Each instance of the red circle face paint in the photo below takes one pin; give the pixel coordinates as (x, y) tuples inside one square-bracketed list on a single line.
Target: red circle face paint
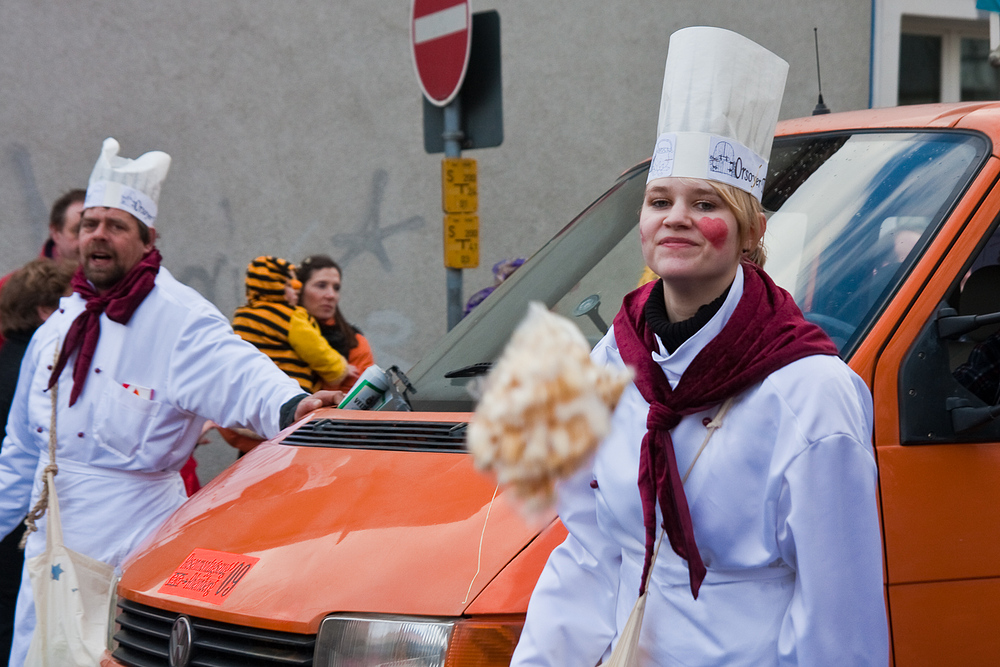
[(715, 230)]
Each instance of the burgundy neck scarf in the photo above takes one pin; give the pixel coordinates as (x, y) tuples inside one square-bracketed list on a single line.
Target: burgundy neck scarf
[(764, 333), (118, 303)]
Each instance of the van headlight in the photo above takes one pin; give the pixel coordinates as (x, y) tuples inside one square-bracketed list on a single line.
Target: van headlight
[(113, 613), (361, 640)]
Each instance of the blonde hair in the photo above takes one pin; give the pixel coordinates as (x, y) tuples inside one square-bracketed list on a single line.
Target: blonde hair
[(747, 211)]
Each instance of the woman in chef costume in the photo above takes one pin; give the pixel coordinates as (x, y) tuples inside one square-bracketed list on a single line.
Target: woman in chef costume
[(743, 437)]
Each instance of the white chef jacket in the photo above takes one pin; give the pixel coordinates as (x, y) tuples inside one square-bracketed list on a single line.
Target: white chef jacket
[(119, 453), (783, 503)]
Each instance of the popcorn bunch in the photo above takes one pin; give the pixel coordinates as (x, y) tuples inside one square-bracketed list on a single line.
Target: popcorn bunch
[(545, 407)]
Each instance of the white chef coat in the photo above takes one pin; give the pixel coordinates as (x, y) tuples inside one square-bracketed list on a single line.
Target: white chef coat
[(783, 503), (119, 453)]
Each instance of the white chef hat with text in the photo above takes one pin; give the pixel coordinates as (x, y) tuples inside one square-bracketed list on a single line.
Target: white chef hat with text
[(718, 109), (130, 185)]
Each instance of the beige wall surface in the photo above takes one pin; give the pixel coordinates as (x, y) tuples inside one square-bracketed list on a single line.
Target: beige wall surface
[(296, 127)]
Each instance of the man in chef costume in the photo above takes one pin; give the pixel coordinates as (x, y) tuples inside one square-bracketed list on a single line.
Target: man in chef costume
[(141, 361), (743, 445)]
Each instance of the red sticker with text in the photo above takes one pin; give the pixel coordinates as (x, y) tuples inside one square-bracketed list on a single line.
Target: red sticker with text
[(208, 575)]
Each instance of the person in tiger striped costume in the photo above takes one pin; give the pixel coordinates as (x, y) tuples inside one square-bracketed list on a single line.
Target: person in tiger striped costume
[(286, 333)]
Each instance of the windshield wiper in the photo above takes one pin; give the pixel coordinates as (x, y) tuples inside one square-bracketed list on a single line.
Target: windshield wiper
[(475, 370)]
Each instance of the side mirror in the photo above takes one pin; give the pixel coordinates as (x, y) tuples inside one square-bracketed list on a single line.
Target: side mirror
[(951, 325), (589, 308), (965, 417)]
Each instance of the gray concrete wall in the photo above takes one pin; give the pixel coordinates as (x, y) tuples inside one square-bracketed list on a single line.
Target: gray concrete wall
[(296, 127)]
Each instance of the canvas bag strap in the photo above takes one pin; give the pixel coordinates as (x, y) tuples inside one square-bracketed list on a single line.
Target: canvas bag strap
[(54, 532), (625, 651)]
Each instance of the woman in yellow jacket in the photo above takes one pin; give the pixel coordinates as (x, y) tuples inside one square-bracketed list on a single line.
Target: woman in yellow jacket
[(284, 332), (321, 279)]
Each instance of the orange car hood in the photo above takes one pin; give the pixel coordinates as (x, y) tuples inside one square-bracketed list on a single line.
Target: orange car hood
[(354, 530)]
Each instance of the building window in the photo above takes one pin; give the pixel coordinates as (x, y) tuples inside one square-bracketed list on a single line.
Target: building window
[(945, 61), (980, 80), (919, 69)]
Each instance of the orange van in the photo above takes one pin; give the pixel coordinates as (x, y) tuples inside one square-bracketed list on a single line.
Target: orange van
[(367, 538)]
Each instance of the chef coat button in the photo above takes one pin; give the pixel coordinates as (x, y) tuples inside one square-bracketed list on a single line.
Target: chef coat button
[(61, 310), (706, 421), (50, 367), (593, 483), (39, 429), (97, 370), (80, 434)]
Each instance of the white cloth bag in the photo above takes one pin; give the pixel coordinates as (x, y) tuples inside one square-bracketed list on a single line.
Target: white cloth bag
[(72, 591)]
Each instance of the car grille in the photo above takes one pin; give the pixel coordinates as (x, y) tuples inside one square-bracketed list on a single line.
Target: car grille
[(144, 640), (391, 435)]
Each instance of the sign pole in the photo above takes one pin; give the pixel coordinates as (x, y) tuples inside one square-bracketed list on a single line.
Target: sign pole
[(453, 136), (441, 41)]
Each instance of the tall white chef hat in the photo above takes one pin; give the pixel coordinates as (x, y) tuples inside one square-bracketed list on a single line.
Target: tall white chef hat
[(130, 185), (719, 107)]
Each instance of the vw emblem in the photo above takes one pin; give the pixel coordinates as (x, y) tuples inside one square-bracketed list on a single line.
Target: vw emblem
[(181, 638)]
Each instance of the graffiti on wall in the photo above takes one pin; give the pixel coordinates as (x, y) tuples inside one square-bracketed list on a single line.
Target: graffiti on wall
[(370, 234), (210, 282), (18, 159), (220, 280), (388, 331)]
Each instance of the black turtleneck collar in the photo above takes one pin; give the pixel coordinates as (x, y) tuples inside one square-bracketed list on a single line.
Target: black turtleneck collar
[(673, 334)]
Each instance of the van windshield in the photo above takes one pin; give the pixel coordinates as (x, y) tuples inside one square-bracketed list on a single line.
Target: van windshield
[(849, 214)]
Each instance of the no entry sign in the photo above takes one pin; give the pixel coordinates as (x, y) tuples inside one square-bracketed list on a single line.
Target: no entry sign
[(440, 36)]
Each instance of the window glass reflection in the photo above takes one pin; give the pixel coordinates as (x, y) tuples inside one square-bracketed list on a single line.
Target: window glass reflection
[(847, 229)]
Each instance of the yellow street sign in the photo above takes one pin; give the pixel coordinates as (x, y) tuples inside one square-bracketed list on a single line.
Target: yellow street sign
[(461, 241), (459, 188)]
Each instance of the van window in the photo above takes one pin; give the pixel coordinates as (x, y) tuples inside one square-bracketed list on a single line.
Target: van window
[(853, 214), (849, 215), (950, 381)]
